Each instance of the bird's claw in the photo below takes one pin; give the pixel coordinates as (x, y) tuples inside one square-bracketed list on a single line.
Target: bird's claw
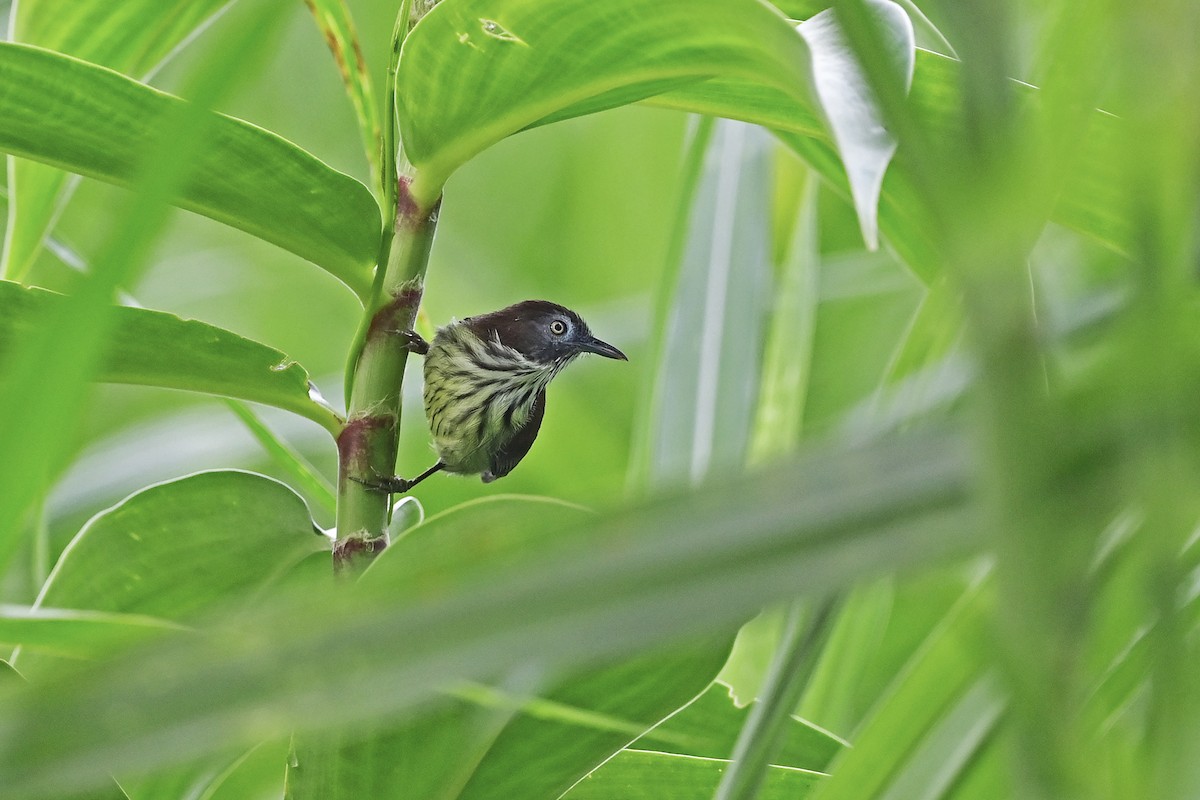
[(413, 341), (387, 484)]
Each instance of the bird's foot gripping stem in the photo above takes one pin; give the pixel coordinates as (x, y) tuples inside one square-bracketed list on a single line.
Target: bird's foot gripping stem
[(389, 485), (413, 341), (395, 484)]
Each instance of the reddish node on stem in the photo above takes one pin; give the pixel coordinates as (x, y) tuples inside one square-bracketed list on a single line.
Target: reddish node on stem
[(355, 440), (397, 314), (409, 213)]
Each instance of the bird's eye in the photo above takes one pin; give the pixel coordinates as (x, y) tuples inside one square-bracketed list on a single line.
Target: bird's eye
[(558, 327)]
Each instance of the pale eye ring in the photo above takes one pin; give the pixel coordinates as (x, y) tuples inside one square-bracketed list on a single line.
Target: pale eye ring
[(558, 327)]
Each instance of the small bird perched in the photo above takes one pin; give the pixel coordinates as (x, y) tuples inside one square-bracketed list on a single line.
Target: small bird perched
[(485, 385)]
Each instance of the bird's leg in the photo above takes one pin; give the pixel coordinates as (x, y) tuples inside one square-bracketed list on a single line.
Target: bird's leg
[(396, 484), (413, 342)]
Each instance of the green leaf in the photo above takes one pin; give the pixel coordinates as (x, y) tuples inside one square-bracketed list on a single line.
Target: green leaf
[(625, 583), (641, 775), (944, 673), (787, 353), (173, 551), (706, 378), (49, 372), (133, 37), (92, 121), (529, 61), (853, 643), (151, 348), (488, 743), (74, 634), (532, 63), (763, 732), (708, 727), (848, 103)]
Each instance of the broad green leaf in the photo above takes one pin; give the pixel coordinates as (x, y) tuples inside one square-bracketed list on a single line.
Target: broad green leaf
[(528, 60), (483, 743), (151, 348), (641, 775), (133, 37), (531, 63), (708, 727), (952, 747), (334, 20), (74, 634), (171, 552), (627, 582), (95, 122)]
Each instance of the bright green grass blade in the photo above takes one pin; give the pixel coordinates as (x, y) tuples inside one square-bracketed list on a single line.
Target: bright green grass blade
[(133, 37), (334, 20), (763, 732), (74, 634), (475, 71), (257, 774), (787, 353), (152, 348), (621, 584), (641, 775), (97, 123)]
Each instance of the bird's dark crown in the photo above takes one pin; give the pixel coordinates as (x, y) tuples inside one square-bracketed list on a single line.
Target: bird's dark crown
[(541, 331)]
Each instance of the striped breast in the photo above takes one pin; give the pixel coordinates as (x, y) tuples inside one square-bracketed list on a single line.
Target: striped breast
[(478, 394)]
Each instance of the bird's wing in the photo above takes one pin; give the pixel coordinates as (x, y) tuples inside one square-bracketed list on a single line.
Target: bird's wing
[(508, 456)]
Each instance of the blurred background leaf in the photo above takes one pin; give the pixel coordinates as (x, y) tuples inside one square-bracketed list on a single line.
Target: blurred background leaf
[(150, 348), (133, 38), (100, 124)]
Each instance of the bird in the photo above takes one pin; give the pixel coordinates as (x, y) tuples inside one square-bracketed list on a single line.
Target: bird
[(485, 385)]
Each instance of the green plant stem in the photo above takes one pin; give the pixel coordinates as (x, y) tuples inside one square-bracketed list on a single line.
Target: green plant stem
[(375, 371), (367, 446)]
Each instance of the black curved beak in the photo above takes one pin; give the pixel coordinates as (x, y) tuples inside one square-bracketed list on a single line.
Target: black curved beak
[(593, 345)]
